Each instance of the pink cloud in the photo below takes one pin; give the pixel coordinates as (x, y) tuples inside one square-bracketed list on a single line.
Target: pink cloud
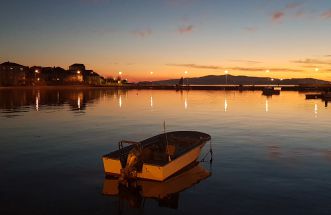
[(142, 33), (326, 14), (278, 16), (185, 29), (293, 5)]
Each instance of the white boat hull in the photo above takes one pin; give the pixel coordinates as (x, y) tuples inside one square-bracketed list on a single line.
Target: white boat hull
[(154, 172)]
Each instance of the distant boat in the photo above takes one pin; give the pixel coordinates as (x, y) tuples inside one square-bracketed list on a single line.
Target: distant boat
[(269, 91), (156, 158), (314, 96), (326, 96), (166, 192)]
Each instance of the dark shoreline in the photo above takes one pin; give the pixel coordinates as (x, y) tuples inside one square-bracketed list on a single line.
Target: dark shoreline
[(173, 87)]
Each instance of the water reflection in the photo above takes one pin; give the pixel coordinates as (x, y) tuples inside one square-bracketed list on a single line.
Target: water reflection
[(185, 103), (315, 110), (279, 158), (151, 101), (14, 101), (165, 193), (22, 100), (120, 101), (37, 101)]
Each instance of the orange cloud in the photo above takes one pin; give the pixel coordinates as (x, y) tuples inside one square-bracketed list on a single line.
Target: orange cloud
[(243, 69), (312, 61)]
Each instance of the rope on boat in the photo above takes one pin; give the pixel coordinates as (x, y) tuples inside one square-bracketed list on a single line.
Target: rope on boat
[(210, 152)]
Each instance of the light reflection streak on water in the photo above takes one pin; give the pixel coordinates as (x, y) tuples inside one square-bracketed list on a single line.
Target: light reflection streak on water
[(266, 106), (151, 101), (316, 110), (37, 101), (78, 102), (225, 105), (120, 102)]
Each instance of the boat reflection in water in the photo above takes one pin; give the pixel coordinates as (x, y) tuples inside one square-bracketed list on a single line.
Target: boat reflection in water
[(166, 192)]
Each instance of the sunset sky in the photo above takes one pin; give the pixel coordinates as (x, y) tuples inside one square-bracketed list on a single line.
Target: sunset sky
[(168, 37)]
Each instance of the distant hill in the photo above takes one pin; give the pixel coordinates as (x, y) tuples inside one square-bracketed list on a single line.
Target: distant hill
[(236, 80)]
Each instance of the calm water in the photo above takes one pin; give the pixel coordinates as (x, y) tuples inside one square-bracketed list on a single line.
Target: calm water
[(271, 155)]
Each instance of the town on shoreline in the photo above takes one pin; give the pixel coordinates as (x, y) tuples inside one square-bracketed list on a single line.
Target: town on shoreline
[(13, 75)]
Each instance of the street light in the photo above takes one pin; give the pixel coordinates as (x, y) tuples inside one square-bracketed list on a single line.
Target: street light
[(120, 74), (152, 75), (35, 75), (78, 72), (226, 76), (186, 72)]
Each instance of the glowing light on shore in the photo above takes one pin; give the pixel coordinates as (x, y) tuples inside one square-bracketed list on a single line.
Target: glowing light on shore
[(78, 72), (226, 72)]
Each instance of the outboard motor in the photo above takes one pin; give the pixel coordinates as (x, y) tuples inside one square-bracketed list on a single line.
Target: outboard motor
[(133, 165)]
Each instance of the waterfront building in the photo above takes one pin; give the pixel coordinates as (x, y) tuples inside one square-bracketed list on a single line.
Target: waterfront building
[(12, 74), (77, 67)]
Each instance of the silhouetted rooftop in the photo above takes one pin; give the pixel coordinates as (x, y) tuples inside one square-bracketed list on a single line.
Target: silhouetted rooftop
[(78, 64), (10, 64)]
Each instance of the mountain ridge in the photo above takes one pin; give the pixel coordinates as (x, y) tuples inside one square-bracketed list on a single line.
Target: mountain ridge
[(238, 80)]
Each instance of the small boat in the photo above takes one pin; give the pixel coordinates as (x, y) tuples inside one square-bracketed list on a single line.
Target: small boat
[(156, 158), (269, 91), (314, 96), (326, 96), (166, 192)]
